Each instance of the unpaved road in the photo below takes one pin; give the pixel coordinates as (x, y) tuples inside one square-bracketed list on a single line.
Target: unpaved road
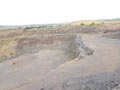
[(51, 69)]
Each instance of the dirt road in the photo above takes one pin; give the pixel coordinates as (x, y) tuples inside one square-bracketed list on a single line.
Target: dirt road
[(51, 69)]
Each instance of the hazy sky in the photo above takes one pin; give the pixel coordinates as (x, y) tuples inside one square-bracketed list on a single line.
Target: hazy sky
[(18, 12)]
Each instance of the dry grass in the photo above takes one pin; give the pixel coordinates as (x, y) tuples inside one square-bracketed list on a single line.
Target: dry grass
[(12, 41), (94, 22), (7, 48)]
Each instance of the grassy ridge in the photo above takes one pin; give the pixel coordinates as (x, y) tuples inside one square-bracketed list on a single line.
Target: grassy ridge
[(9, 38), (94, 22)]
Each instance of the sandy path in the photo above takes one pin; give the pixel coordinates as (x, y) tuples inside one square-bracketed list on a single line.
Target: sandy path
[(28, 67), (49, 70), (106, 56)]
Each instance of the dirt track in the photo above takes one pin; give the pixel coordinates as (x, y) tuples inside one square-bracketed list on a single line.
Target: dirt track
[(52, 69)]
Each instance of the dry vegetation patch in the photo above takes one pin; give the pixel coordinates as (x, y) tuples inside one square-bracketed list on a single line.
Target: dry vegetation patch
[(7, 48)]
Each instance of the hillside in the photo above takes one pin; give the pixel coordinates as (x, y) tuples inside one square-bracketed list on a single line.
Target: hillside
[(80, 55)]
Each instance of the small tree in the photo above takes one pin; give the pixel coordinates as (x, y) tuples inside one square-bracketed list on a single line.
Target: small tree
[(82, 24), (102, 23), (92, 23)]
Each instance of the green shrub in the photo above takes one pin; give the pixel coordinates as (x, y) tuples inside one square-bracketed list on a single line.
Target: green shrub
[(92, 23), (82, 24)]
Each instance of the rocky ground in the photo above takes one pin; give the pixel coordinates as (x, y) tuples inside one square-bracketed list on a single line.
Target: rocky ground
[(62, 61), (93, 66)]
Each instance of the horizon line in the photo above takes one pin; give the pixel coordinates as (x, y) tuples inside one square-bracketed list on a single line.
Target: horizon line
[(112, 19)]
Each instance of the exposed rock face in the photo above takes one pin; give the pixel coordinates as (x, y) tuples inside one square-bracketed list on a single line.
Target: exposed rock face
[(116, 88), (82, 48)]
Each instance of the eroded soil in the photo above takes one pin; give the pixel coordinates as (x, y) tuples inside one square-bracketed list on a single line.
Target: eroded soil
[(63, 62)]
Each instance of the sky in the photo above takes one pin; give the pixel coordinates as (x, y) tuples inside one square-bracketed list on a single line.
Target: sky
[(22, 12)]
